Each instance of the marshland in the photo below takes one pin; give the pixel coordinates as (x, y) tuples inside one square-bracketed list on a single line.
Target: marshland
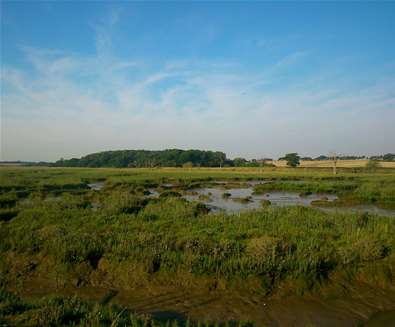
[(154, 246), (197, 163)]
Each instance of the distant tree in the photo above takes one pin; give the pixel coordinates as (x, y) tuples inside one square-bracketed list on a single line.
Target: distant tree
[(306, 158), (321, 157), (350, 157), (372, 165), (292, 159), (228, 163), (389, 157), (239, 162)]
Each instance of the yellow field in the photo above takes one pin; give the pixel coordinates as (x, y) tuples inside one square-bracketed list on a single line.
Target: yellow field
[(340, 163)]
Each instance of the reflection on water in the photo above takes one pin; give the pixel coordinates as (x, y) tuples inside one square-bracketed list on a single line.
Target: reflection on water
[(97, 186), (153, 193), (213, 197), (230, 205)]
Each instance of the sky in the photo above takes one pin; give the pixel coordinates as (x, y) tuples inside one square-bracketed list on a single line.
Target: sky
[(251, 79)]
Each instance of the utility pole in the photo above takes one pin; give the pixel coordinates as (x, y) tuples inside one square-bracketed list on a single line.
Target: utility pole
[(334, 160)]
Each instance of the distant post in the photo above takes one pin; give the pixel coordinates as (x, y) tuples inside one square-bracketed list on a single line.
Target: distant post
[(334, 159)]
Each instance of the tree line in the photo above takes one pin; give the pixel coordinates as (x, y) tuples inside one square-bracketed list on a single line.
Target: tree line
[(184, 158), (146, 158), (162, 158)]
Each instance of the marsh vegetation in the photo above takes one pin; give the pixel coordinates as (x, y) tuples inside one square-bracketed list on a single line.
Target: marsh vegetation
[(137, 229)]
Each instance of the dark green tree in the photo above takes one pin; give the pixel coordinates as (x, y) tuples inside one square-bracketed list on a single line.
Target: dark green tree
[(239, 162), (292, 159), (144, 158), (389, 157)]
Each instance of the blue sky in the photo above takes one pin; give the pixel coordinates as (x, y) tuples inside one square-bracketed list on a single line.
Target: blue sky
[(253, 79)]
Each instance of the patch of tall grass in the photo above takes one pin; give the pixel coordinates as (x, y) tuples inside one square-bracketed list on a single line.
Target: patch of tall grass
[(120, 237), (171, 235)]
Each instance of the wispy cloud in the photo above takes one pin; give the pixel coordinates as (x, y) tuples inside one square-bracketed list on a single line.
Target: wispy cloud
[(69, 105)]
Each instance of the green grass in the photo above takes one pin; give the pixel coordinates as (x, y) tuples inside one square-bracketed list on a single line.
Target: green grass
[(359, 187), (117, 237), (173, 236), (27, 177)]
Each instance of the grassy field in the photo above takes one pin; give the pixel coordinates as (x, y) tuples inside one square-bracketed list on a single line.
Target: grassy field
[(54, 227), (340, 163)]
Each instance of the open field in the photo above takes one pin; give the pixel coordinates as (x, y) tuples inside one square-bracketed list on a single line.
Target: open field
[(340, 163), (164, 258)]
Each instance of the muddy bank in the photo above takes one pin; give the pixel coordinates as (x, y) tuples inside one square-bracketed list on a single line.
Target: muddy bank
[(338, 304)]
